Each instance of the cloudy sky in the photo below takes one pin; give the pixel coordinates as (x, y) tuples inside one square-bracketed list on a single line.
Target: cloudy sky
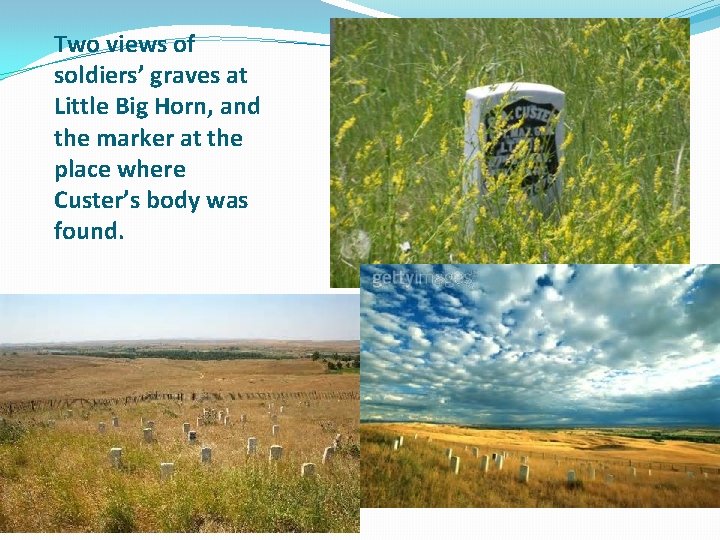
[(55, 318), (541, 345)]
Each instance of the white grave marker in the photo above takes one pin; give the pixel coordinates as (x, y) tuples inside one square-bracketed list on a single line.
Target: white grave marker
[(166, 470), (448, 453), (275, 452), (307, 470), (192, 437), (115, 421), (401, 439), (116, 457), (571, 478), (186, 427), (251, 445), (148, 434), (101, 427), (524, 475), (276, 430), (455, 464), (538, 108), (499, 462), (329, 453), (475, 452), (484, 464), (205, 455)]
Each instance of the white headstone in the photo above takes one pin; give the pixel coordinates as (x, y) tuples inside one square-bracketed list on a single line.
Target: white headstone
[(282, 409), (448, 453), (115, 421), (455, 464), (69, 413), (484, 463), (523, 459), (186, 427), (275, 452), (649, 472), (166, 470), (199, 422), (499, 462), (226, 420), (101, 427), (276, 430), (328, 454), (148, 434), (401, 439), (396, 444), (243, 418), (307, 469), (205, 454), (571, 477), (633, 472), (524, 473), (192, 437), (538, 108), (251, 445), (591, 473), (116, 457), (475, 452), (416, 435)]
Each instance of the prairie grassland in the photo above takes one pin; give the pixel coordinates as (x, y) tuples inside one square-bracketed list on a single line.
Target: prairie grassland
[(31, 376), (397, 128), (668, 474), (56, 474)]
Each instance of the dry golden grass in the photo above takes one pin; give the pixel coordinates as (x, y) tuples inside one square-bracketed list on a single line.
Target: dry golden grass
[(31, 376), (57, 476), (418, 474)]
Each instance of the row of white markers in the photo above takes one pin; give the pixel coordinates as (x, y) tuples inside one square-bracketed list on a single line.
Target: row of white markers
[(167, 469), (524, 473)]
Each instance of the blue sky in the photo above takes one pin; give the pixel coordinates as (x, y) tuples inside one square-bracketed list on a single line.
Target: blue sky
[(54, 318), (541, 345)]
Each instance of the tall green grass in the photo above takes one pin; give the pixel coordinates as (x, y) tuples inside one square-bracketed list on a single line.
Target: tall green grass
[(397, 127)]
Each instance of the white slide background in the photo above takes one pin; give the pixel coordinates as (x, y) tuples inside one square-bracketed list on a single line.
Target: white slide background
[(280, 243)]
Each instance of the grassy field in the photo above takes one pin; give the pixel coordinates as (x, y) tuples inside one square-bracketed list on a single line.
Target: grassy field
[(417, 475), (56, 474), (397, 135)]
